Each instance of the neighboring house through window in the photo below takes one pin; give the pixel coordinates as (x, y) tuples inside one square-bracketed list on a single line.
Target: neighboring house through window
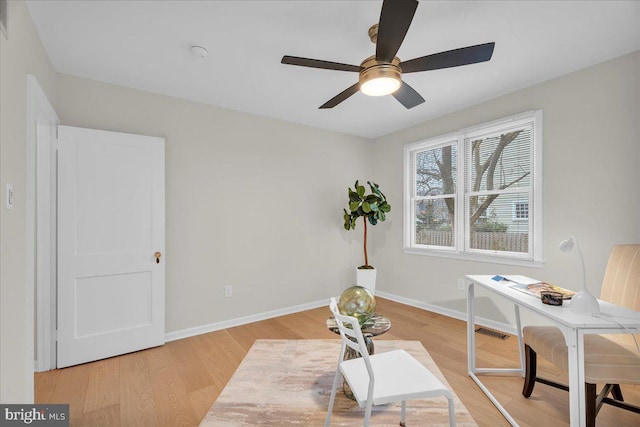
[(476, 193)]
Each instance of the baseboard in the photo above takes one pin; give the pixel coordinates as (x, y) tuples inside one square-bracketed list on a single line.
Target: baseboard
[(190, 332), (504, 327), (239, 321)]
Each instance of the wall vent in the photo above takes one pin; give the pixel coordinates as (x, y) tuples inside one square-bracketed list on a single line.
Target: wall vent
[(492, 333)]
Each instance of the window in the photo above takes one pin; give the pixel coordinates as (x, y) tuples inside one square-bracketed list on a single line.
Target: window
[(476, 193), (520, 211)]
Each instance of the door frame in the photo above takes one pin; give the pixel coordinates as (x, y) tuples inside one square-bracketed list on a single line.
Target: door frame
[(40, 247)]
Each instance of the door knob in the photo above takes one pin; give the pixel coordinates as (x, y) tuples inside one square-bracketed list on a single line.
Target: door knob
[(157, 255)]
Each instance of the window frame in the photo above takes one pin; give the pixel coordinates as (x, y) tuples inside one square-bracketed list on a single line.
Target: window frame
[(461, 248)]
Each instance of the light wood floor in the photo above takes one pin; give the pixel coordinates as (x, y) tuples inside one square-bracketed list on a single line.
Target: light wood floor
[(174, 385)]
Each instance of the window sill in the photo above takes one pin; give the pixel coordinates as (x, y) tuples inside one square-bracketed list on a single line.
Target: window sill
[(475, 257)]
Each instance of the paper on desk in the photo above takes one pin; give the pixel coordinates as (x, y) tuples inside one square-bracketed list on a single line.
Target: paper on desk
[(522, 280)]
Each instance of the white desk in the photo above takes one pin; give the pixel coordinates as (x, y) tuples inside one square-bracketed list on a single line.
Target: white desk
[(573, 327)]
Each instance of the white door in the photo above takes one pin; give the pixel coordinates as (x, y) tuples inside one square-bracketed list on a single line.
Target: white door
[(110, 227)]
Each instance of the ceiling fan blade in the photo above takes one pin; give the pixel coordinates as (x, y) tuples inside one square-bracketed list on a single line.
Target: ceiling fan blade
[(451, 58), (395, 18), (408, 96), (341, 96), (317, 63)]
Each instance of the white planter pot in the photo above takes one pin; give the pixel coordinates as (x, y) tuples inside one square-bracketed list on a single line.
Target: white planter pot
[(366, 278)]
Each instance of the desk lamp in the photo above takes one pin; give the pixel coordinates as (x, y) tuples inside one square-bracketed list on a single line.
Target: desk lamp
[(582, 302)]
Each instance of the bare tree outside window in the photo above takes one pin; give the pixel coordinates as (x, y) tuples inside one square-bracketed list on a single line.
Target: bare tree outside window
[(494, 164), (436, 179), (476, 193)]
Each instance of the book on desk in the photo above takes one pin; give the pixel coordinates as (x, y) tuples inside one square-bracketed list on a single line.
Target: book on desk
[(532, 286)]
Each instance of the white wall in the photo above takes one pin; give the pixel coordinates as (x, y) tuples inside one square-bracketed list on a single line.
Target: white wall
[(256, 203), (591, 183), (252, 202), (20, 54)]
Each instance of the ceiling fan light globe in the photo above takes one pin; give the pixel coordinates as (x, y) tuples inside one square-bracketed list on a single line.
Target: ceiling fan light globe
[(380, 86)]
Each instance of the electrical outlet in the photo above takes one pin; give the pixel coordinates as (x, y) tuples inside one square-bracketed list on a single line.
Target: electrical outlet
[(461, 284), (228, 291)]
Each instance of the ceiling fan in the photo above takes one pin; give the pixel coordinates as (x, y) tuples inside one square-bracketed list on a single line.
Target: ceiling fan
[(381, 74)]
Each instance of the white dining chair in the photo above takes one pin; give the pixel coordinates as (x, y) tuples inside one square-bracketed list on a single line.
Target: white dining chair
[(393, 376)]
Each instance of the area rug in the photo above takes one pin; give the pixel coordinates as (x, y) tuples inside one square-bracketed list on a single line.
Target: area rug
[(288, 383)]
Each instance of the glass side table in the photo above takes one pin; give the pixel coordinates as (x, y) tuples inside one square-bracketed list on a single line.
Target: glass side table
[(373, 327)]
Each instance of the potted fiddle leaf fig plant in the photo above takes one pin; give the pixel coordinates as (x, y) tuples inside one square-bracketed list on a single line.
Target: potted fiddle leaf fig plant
[(373, 208)]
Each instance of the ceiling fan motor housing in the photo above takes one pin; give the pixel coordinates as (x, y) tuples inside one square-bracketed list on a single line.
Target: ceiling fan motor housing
[(373, 69)]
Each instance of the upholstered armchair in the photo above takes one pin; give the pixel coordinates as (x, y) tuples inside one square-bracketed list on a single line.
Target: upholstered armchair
[(610, 360)]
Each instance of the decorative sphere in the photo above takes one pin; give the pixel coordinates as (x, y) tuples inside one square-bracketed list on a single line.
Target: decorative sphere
[(358, 302)]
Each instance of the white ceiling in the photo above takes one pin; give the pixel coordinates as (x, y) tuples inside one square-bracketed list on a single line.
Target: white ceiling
[(146, 45)]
